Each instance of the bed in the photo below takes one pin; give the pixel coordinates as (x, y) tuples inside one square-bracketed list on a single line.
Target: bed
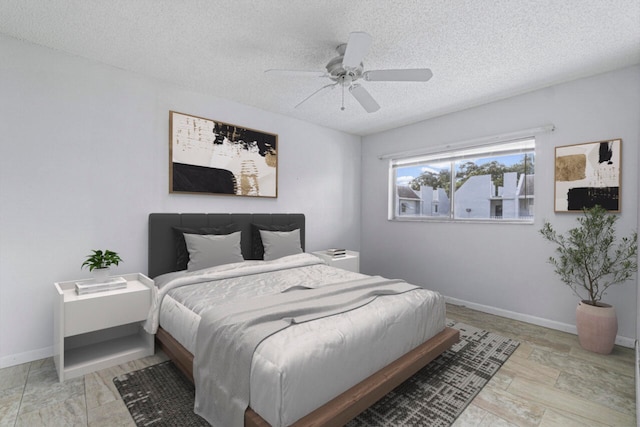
[(323, 371)]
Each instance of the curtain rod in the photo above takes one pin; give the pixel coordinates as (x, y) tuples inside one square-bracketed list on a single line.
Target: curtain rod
[(476, 141)]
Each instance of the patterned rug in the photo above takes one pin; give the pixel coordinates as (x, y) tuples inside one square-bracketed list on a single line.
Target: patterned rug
[(436, 395)]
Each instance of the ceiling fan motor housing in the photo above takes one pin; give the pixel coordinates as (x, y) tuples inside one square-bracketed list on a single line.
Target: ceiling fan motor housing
[(337, 71)]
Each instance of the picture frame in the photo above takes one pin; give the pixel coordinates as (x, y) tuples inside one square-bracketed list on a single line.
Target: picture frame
[(588, 174), (207, 156)]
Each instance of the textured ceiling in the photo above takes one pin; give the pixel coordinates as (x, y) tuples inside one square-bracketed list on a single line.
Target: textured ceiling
[(478, 50)]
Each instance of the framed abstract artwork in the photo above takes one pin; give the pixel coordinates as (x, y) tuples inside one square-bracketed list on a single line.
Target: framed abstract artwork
[(587, 175), (211, 157)]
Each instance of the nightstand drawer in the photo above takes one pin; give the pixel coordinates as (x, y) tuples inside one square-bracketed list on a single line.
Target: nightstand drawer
[(112, 308)]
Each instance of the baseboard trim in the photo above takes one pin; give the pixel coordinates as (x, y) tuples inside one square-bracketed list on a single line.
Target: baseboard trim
[(637, 381), (28, 356), (551, 324)]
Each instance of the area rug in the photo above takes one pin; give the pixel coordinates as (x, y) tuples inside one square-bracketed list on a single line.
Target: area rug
[(436, 395)]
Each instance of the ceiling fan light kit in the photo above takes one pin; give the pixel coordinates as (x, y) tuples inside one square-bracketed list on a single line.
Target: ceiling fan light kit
[(346, 68)]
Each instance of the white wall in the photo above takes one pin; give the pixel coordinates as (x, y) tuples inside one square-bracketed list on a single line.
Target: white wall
[(84, 160), (502, 268)]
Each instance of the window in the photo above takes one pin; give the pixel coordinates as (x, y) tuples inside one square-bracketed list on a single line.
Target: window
[(490, 183)]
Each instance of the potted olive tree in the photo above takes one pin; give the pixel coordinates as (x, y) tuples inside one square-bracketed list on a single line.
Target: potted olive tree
[(100, 261), (590, 259)]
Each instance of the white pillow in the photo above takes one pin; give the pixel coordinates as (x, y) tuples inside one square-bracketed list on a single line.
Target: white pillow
[(209, 250), (280, 243)]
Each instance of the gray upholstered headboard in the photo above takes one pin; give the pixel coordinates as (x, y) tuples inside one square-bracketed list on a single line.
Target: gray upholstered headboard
[(162, 248)]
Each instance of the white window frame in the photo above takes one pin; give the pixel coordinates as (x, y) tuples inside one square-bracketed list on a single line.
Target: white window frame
[(451, 154)]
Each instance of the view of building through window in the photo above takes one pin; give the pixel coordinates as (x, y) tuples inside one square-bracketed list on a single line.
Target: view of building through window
[(493, 182)]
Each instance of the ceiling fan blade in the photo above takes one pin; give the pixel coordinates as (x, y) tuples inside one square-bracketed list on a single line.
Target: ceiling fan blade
[(317, 91), (407, 75), (295, 73), (364, 98), (357, 48)]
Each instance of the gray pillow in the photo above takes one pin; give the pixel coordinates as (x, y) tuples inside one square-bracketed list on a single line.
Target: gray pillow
[(257, 248), (182, 254), (280, 243), (209, 250)]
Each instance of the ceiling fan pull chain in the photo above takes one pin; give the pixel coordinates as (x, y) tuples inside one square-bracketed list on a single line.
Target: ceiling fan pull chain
[(342, 108)]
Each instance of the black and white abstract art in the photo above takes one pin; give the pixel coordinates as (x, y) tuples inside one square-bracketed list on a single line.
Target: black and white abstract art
[(212, 157), (587, 175)]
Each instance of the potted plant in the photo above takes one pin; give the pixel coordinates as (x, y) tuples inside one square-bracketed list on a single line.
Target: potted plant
[(100, 261), (590, 259)]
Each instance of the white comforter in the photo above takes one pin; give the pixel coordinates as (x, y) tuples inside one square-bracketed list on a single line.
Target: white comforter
[(302, 367)]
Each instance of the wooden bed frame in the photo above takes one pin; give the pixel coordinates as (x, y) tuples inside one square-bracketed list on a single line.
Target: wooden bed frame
[(336, 412), (352, 402)]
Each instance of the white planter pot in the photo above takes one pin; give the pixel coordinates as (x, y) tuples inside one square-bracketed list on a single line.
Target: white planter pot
[(101, 274)]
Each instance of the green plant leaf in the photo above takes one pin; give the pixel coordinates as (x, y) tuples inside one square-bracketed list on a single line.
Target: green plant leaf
[(101, 259), (588, 258)]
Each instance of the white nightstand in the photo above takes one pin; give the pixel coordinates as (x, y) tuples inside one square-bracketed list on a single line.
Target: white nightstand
[(351, 261), (98, 330)]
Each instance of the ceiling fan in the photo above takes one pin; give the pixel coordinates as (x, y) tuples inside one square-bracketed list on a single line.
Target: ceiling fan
[(347, 68)]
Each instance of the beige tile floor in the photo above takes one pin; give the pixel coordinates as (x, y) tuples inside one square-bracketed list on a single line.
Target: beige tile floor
[(549, 381)]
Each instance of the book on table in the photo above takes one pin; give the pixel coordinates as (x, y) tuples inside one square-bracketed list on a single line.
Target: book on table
[(337, 253), (100, 285)]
